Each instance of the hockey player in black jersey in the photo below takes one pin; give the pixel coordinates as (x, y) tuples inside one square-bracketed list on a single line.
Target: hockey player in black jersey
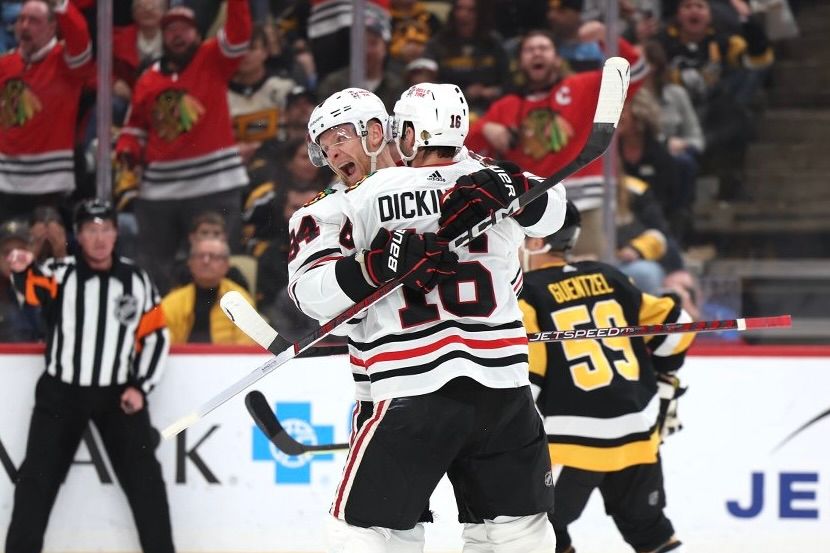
[(599, 398)]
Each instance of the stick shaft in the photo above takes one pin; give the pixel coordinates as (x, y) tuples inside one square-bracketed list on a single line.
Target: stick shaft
[(747, 323)]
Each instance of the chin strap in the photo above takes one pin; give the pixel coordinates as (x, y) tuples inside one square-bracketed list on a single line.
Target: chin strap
[(525, 254), (373, 156)]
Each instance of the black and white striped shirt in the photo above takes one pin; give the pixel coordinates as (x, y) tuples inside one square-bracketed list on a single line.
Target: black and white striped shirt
[(104, 327)]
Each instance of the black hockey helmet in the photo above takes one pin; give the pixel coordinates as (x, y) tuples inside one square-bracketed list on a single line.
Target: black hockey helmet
[(91, 209), (565, 238)]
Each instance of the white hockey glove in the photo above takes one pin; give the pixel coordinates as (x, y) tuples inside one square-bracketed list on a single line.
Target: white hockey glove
[(669, 390)]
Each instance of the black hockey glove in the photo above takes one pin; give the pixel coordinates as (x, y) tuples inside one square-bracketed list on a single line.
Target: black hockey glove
[(424, 259), (476, 196)]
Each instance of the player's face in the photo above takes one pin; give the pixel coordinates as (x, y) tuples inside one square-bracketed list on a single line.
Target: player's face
[(33, 27), (693, 16), (537, 59), (344, 153), (97, 240)]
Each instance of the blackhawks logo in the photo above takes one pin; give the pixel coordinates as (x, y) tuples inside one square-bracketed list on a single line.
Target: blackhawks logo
[(320, 195), (18, 104), (544, 131), (175, 113)]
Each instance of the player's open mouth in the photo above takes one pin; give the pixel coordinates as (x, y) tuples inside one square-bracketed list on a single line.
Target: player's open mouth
[(348, 169)]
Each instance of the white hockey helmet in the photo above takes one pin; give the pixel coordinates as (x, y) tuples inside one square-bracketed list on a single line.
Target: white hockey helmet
[(438, 113), (355, 106)]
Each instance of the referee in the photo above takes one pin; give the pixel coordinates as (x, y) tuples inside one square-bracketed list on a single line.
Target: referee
[(106, 344)]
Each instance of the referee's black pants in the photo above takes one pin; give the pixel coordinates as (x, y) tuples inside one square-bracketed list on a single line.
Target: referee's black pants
[(61, 414)]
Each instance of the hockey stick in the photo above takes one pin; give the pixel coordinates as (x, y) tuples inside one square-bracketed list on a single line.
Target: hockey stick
[(613, 88), (267, 421), (746, 323), (249, 321)]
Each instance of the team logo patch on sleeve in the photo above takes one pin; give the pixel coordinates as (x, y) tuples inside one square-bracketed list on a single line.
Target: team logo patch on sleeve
[(175, 112), (18, 104), (320, 196)]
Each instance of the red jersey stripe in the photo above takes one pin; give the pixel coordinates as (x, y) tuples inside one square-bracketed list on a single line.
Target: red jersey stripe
[(424, 350)]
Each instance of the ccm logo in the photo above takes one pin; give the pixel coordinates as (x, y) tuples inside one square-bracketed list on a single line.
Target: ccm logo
[(505, 178), (395, 251)]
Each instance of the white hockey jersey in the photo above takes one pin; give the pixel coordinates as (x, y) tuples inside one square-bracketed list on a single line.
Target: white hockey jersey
[(319, 236), (412, 343)]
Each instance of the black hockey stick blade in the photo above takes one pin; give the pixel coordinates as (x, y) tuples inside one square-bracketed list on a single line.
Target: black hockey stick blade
[(613, 88), (266, 420)]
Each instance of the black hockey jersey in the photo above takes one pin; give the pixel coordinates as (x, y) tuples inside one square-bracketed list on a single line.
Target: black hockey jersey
[(598, 397)]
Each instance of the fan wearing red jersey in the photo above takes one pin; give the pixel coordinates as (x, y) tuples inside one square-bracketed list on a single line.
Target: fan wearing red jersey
[(178, 132), (544, 125), (40, 88)]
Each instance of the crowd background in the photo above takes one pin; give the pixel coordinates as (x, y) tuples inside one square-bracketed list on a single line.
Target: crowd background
[(683, 139)]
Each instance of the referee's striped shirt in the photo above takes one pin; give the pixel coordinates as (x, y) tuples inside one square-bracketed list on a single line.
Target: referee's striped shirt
[(105, 327)]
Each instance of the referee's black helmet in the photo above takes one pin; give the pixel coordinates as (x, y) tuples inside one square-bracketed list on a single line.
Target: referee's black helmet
[(565, 238), (92, 209)]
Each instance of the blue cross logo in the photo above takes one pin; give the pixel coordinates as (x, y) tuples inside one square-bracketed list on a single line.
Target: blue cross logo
[(296, 419)]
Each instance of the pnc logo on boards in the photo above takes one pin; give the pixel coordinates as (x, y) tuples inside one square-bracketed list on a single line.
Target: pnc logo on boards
[(296, 419)]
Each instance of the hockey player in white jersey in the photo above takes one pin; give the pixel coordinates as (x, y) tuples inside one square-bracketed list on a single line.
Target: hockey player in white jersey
[(353, 127), (447, 353)]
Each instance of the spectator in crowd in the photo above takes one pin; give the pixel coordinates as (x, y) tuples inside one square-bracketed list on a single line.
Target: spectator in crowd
[(515, 18), (192, 312), (647, 211), (645, 157), (680, 129), (256, 99), (565, 18), (329, 27), (298, 107), (208, 224), (542, 126), (722, 73), (421, 70), (412, 27), (207, 11), (639, 246), (179, 131), (289, 56), (470, 54), (93, 373), (18, 322), (135, 47), (383, 81), (272, 269), (40, 86), (48, 234), (9, 10), (288, 169)]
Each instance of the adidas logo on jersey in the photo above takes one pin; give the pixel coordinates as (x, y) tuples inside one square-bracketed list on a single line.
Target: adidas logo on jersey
[(436, 176)]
